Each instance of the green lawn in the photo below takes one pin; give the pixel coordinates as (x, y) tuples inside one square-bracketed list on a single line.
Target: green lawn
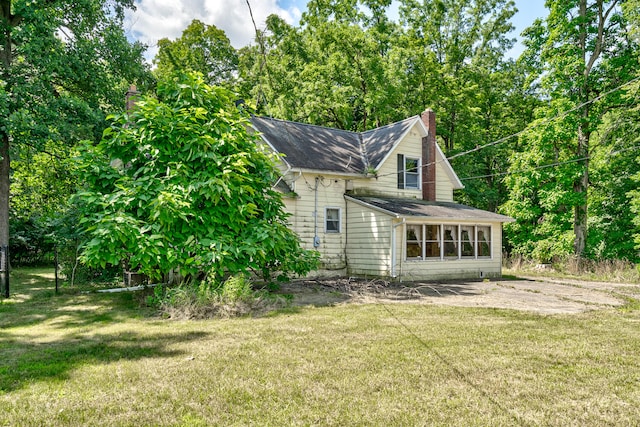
[(99, 359)]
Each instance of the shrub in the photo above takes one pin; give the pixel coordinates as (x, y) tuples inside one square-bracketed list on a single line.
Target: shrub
[(207, 299)]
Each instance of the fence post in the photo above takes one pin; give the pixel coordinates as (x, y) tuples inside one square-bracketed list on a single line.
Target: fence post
[(56, 261)]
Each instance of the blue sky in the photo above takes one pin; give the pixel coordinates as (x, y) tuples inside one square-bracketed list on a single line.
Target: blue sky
[(157, 19)]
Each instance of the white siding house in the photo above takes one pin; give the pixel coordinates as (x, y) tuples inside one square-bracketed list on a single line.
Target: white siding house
[(380, 203)]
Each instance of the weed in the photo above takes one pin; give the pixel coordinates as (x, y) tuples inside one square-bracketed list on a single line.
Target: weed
[(230, 298)]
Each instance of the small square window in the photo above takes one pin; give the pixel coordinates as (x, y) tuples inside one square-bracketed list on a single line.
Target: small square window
[(332, 220)]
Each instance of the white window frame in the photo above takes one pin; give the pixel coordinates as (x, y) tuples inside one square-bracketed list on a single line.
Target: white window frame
[(326, 219), (457, 241), (404, 172)]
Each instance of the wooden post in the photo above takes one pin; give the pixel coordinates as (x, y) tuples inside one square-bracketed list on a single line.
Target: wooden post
[(56, 261)]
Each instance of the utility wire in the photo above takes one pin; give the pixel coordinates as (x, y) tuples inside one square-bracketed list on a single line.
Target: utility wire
[(506, 138), (546, 121), (525, 170)]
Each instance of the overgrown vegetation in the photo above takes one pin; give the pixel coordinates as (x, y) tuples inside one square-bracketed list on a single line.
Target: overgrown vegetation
[(179, 183), (233, 297), (604, 270)]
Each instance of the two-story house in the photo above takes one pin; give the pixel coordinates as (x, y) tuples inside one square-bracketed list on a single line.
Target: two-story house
[(380, 203)]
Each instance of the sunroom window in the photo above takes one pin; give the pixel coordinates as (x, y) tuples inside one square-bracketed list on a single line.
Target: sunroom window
[(484, 242), (447, 241)]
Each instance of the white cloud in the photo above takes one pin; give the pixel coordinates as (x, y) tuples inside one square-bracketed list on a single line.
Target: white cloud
[(157, 19)]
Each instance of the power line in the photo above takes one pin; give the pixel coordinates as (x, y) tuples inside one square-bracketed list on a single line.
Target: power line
[(542, 123), (525, 170), (546, 121)]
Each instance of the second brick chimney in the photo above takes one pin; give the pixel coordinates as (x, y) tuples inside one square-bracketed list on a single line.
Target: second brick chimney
[(429, 156)]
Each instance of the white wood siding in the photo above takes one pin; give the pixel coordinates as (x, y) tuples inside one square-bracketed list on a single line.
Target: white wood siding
[(330, 194), (387, 181), (444, 187), (369, 245)]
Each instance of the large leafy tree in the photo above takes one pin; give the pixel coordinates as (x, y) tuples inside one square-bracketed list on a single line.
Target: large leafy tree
[(581, 51), (201, 48), (466, 42), (181, 183), (62, 63), (329, 71)]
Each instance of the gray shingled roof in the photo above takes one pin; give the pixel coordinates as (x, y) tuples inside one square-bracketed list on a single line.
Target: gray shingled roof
[(378, 142), (321, 148), (435, 210), (313, 147)]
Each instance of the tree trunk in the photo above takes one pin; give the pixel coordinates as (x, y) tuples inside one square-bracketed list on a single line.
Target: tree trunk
[(7, 22), (4, 215), (581, 186)]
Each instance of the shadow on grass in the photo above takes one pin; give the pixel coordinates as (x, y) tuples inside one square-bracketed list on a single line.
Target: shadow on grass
[(64, 330), (34, 300), (23, 361)]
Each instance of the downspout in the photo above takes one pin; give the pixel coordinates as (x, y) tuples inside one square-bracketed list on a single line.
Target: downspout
[(394, 251), (316, 239)]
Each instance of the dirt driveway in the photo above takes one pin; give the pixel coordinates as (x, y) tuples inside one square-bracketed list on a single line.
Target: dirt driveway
[(540, 295)]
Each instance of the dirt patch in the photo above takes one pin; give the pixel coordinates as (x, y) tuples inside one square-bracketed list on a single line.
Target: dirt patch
[(540, 295)]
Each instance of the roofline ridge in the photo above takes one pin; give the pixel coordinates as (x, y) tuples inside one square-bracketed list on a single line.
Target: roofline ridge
[(391, 124), (308, 124)]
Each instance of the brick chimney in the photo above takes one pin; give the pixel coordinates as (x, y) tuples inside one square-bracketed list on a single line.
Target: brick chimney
[(429, 156), (131, 97)]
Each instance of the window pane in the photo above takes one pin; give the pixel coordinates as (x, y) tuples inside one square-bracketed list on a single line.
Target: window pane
[(332, 220), (414, 241), (432, 244), (412, 173), (484, 241), (466, 240), (451, 240)]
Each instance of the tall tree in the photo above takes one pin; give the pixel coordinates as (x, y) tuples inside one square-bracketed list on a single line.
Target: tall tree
[(180, 183), (581, 51), (330, 70), (467, 40), (201, 48), (62, 62)]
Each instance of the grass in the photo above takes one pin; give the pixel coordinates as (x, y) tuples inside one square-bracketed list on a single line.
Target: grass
[(101, 359)]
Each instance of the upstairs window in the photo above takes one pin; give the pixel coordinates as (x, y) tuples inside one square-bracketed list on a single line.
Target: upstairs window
[(408, 172)]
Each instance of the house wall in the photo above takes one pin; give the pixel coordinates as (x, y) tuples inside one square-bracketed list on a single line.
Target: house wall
[(387, 181), (330, 193), (369, 246), (410, 270), (444, 188)]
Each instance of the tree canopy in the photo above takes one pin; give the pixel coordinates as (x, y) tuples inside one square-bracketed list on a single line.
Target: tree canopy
[(180, 183), (63, 65)]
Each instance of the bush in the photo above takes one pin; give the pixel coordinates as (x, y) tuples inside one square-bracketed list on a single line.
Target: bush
[(231, 298)]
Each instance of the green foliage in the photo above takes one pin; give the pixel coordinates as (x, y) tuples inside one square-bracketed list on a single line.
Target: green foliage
[(564, 168), (231, 297), (201, 48), (180, 183), (69, 63)]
